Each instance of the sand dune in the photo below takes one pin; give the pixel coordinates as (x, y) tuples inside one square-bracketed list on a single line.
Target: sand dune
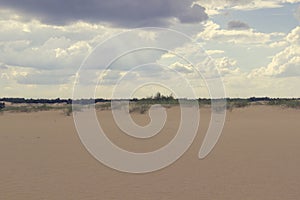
[(257, 157)]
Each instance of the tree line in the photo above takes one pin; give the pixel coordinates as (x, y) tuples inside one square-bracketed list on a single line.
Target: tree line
[(156, 98)]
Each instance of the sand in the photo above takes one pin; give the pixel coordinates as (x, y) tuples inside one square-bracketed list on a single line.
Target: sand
[(257, 157)]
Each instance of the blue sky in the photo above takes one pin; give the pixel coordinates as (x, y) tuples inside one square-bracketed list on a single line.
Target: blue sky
[(255, 45), (264, 20)]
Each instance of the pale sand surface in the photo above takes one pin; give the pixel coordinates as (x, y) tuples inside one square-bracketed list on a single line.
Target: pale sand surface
[(257, 157)]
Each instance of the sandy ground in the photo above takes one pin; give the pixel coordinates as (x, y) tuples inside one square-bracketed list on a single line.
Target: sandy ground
[(257, 157)]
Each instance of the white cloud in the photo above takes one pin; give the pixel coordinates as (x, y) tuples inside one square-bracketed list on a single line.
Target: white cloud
[(291, 38), (258, 4), (47, 56), (51, 55), (290, 1), (213, 31), (182, 68), (285, 63), (38, 60), (213, 52), (294, 36), (214, 7), (278, 44), (148, 35), (227, 66), (40, 46)]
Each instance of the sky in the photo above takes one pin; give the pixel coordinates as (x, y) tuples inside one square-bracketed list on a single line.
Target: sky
[(99, 48)]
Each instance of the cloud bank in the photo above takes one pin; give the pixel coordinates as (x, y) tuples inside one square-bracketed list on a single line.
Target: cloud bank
[(125, 13)]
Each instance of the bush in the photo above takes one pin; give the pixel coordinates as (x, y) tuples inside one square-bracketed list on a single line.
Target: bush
[(103, 106), (289, 103), (293, 104), (68, 110), (141, 108), (241, 104), (237, 104), (43, 107)]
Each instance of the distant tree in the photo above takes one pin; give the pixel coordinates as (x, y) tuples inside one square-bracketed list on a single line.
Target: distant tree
[(157, 96), (2, 105)]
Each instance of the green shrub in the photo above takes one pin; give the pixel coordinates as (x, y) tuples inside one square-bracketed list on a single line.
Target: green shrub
[(103, 106), (237, 104), (289, 103), (69, 109), (141, 108), (293, 104)]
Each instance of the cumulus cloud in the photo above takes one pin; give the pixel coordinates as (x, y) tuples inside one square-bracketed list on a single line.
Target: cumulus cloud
[(39, 54), (227, 66), (54, 53), (214, 7), (237, 25), (49, 47), (294, 36), (285, 63), (182, 68), (278, 44), (35, 36), (213, 31), (291, 38), (127, 13)]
